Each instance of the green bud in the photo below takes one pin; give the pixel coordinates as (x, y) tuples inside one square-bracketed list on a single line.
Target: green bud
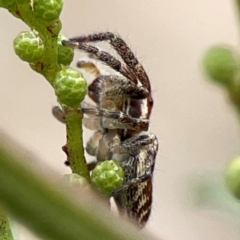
[(234, 90), (107, 176), (28, 46), (232, 176), (75, 180), (48, 10), (9, 4), (70, 87), (65, 54), (221, 64)]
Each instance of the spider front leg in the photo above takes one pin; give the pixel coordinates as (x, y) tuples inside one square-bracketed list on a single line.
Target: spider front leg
[(88, 65), (104, 57), (90, 123), (122, 49), (117, 119)]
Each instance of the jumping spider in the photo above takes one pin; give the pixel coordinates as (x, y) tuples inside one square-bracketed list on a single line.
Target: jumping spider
[(120, 119)]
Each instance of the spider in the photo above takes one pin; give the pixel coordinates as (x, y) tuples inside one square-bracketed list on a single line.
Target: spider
[(120, 118)]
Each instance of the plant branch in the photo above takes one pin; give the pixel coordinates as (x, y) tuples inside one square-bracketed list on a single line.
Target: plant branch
[(75, 148)]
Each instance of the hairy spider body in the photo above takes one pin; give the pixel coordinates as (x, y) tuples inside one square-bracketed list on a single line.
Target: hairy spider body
[(121, 120)]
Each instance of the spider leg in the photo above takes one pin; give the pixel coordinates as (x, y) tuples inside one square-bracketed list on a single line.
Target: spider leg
[(122, 49), (104, 57), (88, 65), (93, 123), (138, 141), (117, 119), (58, 113), (90, 166), (93, 143), (138, 152)]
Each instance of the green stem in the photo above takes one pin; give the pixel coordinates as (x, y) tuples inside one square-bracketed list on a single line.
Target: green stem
[(41, 205), (73, 118), (49, 65), (5, 231)]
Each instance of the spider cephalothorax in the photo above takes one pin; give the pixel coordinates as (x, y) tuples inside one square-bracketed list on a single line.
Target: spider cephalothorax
[(120, 119)]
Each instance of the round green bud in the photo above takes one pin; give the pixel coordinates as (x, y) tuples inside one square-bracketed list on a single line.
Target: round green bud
[(232, 176), (65, 54), (28, 46), (70, 87), (221, 64), (48, 10), (9, 4), (75, 180), (107, 176)]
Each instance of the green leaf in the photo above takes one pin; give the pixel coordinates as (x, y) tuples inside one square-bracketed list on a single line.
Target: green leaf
[(45, 207)]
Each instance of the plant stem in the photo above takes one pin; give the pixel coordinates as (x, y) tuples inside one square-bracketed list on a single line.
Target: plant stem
[(49, 65), (73, 118)]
